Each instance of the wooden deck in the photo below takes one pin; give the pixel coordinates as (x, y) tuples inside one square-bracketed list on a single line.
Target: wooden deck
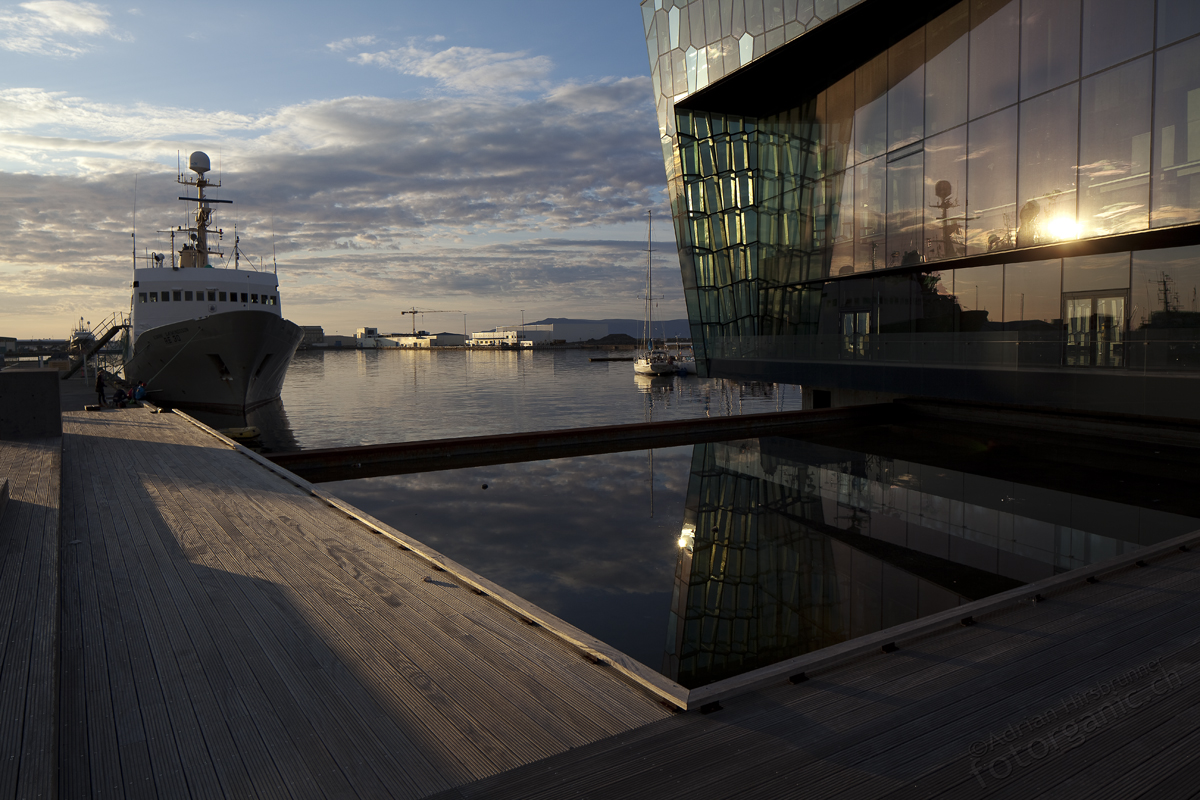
[(29, 552), (1092, 693), (197, 623), (225, 633)]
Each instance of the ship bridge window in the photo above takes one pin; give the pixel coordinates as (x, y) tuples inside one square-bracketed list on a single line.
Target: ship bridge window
[(244, 300), (222, 296), (212, 296), (177, 297), (187, 296), (154, 297), (166, 297), (141, 297), (254, 299)]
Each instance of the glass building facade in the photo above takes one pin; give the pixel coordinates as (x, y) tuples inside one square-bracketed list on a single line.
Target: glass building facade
[(1000, 186)]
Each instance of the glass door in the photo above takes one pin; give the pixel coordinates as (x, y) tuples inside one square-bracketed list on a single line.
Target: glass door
[(1095, 323)]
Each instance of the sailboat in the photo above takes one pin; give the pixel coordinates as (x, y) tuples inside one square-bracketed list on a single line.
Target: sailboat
[(654, 361)]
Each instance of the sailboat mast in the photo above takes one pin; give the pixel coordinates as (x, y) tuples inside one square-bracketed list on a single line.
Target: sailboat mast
[(649, 280)]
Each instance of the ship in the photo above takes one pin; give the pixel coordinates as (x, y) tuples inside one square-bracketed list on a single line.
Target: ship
[(205, 335)]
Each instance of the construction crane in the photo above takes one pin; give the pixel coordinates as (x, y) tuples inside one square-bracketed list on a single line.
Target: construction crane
[(414, 311)]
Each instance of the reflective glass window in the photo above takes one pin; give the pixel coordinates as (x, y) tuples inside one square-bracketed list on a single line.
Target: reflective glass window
[(946, 70), (1176, 189), (905, 205), (837, 129), (1114, 158), (946, 194), (934, 306), (995, 42), (894, 299), (1177, 19), (980, 293), (839, 222), (1046, 175), (1033, 295), (1115, 31), (1165, 289), (1049, 44), (906, 91), (870, 250), (1093, 273), (992, 182), (870, 111)]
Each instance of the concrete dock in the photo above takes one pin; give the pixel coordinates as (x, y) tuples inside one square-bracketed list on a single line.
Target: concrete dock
[(183, 618)]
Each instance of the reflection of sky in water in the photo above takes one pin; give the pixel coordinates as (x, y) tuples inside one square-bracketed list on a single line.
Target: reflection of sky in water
[(336, 399), (574, 536)]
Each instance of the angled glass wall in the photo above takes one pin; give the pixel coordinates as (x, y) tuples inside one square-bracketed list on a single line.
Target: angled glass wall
[(996, 126)]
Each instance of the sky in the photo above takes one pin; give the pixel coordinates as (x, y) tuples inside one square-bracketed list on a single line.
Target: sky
[(480, 157)]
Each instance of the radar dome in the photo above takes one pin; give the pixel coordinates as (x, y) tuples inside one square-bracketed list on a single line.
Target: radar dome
[(198, 162)]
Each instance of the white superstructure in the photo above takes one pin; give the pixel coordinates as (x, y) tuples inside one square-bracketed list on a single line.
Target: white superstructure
[(204, 335)]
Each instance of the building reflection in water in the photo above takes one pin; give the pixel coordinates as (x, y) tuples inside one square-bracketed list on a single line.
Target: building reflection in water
[(789, 546)]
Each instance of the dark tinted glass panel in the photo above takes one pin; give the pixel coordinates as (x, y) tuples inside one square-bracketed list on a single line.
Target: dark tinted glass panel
[(1115, 31), (1032, 295), (1177, 19), (946, 70), (1049, 44), (946, 194), (995, 27), (1176, 189), (1092, 273), (934, 308), (905, 243), (1046, 176), (906, 91), (894, 294), (870, 251), (838, 124), (992, 182), (1165, 289), (870, 115), (980, 293), (1114, 158)]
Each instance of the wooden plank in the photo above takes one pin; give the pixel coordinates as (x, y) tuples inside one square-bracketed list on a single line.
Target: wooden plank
[(4, 492)]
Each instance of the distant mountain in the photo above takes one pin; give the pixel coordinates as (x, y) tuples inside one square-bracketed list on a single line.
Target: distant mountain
[(667, 329)]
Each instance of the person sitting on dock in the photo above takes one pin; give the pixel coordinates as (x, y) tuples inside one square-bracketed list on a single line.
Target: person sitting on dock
[(100, 389), (120, 398), (139, 393)]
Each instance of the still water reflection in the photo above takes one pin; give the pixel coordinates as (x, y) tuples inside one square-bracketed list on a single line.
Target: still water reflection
[(788, 546), (355, 397)]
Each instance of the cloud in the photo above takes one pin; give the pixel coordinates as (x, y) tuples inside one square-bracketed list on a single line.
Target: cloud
[(342, 45), (468, 70), (54, 27), (478, 199)]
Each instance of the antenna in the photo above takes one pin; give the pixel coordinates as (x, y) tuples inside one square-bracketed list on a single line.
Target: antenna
[(134, 234), (273, 264)]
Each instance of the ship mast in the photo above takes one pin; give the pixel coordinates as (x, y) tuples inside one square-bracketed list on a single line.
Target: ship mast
[(198, 163)]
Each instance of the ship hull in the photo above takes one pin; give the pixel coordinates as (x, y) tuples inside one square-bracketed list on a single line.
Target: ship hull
[(226, 363)]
